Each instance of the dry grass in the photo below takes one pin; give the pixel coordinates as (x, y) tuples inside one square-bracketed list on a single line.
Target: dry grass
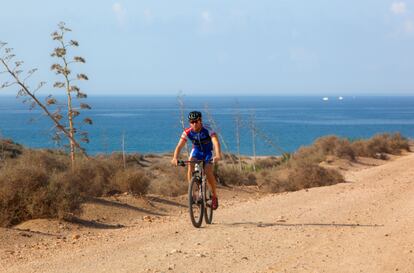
[(40, 183), (9, 149), (231, 175), (268, 162), (167, 180), (380, 144), (131, 180), (29, 189)]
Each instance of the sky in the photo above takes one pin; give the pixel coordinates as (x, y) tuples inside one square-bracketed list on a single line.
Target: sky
[(216, 47)]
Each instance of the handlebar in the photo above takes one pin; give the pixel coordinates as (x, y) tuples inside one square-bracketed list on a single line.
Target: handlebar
[(186, 162)]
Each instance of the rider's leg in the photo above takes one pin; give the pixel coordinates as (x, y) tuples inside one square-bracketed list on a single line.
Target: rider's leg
[(211, 179)]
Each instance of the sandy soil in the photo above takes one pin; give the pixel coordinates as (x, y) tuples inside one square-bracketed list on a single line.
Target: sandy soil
[(364, 225)]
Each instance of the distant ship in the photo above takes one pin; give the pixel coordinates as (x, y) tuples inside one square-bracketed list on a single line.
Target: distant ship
[(340, 98), (325, 98)]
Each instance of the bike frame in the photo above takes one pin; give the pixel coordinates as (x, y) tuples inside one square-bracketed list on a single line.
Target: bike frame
[(199, 173)]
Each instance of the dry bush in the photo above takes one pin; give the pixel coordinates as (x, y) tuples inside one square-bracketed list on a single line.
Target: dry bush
[(304, 174), (9, 149), (310, 154), (381, 144), (230, 158), (298, 174), (93, 176), (49, 160), (230, 175), (116, 159), (167, 180), (268, 162), (130, 180), (333, 145), (30, 191), (274, 180)]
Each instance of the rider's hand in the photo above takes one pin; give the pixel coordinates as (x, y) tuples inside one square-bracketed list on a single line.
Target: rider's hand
[(174, 161), (217, 158)]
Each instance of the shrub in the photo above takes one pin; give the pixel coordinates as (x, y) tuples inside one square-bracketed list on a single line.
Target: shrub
[(28, 191), (93, 176), (300, 173), (268, 162), (332, 145), (232, 176), (380, 144), (131, 180), (167, 180), (308, 174), (9, 149)]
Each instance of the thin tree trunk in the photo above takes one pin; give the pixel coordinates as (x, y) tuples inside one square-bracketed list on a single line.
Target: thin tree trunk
[(70, 114), (238, 121), (123, 150), (253, 129)]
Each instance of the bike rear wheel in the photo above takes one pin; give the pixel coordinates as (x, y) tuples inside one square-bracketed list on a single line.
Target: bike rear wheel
[(208, 208), (195, 202)]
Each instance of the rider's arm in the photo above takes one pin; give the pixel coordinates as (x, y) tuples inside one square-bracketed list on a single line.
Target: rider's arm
[(177, 151), (217, 148)]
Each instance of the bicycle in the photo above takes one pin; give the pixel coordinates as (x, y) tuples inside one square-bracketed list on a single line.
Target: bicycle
[(199, 194)]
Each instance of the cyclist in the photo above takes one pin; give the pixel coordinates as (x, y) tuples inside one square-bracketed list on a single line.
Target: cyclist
[(204, 140)]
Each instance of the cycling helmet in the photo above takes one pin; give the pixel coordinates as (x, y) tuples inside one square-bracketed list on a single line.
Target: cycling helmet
[(194, 115)]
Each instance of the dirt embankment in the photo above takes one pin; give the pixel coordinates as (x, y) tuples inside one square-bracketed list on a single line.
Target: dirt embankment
[(364, 225)]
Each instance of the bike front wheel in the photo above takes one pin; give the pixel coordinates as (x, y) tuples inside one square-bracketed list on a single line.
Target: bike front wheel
[(208, 208), (195, 202)]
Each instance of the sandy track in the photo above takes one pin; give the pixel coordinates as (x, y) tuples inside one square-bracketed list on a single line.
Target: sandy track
[(365, 225)]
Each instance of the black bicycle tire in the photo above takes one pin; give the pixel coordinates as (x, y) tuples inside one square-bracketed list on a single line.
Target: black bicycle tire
[(196, 222), (208, 210)]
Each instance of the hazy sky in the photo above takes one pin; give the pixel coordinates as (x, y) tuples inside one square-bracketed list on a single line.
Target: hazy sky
[(231, 47)]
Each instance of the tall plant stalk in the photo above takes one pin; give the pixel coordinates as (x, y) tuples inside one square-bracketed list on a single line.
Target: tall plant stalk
[(62, 68), (180, 99), (29, 95)]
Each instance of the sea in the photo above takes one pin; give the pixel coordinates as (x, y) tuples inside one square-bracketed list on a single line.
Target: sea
[(265, 125)]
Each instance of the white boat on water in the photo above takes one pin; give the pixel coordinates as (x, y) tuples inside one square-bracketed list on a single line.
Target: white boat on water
[(325, 98), (340, 98)]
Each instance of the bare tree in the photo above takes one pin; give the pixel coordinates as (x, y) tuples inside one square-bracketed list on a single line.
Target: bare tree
[(62, 67), (50, 106)]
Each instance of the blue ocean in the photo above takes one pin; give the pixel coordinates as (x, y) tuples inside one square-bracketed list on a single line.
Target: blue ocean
[(152, 124)]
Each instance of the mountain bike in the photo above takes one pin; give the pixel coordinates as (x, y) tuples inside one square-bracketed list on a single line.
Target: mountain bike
[(199, 194)]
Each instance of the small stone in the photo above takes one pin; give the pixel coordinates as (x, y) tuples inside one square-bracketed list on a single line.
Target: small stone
[(147, 218), (244, 258), (76, 237), (175, 251)]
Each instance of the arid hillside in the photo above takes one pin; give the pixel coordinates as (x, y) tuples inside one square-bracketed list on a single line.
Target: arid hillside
[(362, 225)]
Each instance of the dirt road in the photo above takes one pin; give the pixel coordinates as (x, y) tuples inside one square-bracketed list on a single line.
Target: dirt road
[(365, 225)]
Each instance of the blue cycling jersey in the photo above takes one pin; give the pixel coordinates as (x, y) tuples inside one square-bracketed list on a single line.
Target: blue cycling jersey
[(202, 144)]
